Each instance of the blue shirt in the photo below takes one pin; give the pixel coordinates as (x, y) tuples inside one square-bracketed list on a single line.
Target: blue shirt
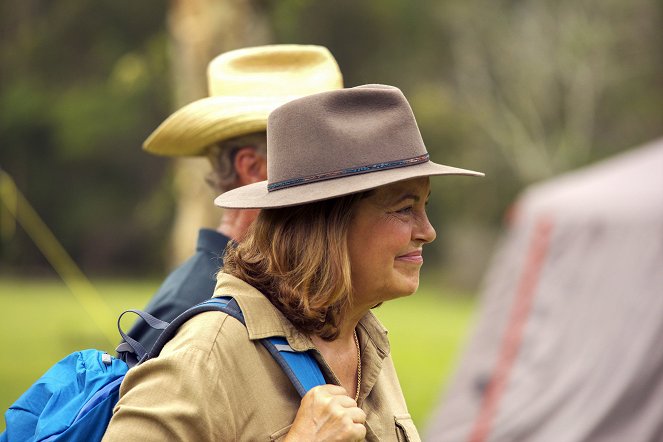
[(186, 286)]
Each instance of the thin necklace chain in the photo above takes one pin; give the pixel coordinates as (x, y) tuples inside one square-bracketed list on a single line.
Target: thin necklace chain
[(358, 365)]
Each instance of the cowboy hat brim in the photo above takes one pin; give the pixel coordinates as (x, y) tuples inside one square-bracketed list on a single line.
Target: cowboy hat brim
[(256, 196), (192, 129)]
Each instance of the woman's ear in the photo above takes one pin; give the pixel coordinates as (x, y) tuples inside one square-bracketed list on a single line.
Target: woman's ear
[(251, 167)]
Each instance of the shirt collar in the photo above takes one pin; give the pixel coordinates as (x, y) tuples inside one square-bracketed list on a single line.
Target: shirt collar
[(211, 241), (263, 320)]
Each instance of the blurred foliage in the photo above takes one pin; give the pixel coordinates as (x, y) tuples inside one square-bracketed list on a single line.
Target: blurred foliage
[(522, 90), (82, 85)]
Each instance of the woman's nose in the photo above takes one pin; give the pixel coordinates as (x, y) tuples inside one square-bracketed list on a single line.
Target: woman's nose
[(424, 232)]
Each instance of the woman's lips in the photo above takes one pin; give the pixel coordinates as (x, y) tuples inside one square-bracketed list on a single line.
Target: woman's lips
[(412, 257)]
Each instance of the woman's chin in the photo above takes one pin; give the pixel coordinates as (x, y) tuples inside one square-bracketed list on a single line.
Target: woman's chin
[(409, 288)]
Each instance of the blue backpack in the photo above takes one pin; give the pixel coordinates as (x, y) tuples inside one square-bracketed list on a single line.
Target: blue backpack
[(74, 399)]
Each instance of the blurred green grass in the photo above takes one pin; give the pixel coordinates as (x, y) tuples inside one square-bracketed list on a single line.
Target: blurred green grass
[(426, 333), (42, 322)]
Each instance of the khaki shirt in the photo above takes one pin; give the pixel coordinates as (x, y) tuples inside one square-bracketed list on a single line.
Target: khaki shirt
[(214, 381)]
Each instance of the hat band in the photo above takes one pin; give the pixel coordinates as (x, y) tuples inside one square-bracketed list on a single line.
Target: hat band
[(347, 172)]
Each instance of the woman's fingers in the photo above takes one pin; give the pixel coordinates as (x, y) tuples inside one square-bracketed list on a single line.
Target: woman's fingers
[(357, 414), (328, 413)]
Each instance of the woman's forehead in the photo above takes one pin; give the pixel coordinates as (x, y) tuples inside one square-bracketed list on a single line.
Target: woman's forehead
[(416, 188)]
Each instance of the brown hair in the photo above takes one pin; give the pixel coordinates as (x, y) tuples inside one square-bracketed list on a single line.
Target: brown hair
[(298, 257), (221, 155)]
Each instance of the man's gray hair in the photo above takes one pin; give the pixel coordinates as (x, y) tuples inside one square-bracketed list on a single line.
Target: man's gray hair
[(221, 155)]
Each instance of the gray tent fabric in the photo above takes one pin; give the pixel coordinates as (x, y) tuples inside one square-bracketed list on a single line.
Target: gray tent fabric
[(568, 342)]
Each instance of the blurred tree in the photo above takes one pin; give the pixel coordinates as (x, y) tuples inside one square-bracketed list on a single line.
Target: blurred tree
[(535, 75), (81, 84), (199, 31)]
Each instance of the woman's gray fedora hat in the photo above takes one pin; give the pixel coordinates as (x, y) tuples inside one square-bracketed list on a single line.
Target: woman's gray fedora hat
[(336, 143)]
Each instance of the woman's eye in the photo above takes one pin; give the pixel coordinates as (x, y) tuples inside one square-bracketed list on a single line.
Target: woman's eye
[(405, 210)]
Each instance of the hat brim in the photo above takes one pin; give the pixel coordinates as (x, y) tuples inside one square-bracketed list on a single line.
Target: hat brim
[(256, 196), (192, 129)]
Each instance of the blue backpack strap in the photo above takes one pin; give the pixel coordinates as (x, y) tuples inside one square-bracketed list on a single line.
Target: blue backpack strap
[(300, 367), (225, 304)]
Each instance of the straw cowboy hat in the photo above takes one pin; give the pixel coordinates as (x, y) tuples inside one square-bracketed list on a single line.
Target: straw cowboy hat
[(337, 143), (245, 85)]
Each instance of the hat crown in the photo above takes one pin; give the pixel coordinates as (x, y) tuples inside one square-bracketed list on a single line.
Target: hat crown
[(274, 70), (344, 132), (245, 85), (337, 143)]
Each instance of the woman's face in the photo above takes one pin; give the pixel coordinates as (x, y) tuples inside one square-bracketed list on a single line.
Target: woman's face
[(385, 238)]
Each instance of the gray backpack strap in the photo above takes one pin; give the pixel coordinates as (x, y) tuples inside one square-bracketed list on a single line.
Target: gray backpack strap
[(130, 349), (133, 352), (224, 304)]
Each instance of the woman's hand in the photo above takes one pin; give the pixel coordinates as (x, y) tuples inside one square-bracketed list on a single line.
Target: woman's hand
[(327, 413)]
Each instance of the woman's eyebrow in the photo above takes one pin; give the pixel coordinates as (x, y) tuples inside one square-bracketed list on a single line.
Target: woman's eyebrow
[(407, 196), (413, 196), (404, 197)]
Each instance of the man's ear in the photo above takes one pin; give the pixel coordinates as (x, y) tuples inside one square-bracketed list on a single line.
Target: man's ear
[(250, 166)]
